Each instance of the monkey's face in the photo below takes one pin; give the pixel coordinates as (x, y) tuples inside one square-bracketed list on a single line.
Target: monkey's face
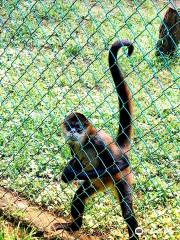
[(75, 133), (75, 129)]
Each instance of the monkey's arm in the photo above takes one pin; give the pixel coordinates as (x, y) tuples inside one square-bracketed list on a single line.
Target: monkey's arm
[(72, 172), (73, 167), (108, 165), (100, 172)]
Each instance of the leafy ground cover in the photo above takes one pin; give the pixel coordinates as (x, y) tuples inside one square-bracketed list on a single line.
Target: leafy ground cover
[(54, 60)]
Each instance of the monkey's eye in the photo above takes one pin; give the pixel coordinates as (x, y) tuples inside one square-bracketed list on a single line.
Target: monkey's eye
[(68, 127), (80, 129)]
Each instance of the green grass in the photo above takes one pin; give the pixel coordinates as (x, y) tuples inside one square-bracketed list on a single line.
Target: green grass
[(8, 231), (54, 60)]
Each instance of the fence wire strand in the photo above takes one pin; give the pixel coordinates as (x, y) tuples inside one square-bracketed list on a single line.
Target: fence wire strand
[(54, 61)]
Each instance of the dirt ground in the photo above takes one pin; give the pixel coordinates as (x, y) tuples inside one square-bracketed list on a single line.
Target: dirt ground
[(19, 209)]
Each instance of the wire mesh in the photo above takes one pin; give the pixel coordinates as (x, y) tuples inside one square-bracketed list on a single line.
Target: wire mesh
[(53, 62)]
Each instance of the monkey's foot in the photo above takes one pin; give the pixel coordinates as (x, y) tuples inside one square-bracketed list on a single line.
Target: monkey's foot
[(70, 227)]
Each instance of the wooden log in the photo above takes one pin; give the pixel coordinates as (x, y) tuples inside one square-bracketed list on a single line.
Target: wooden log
[(21, 210)]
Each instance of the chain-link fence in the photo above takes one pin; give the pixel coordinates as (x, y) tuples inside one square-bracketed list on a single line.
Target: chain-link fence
[(54, 60)]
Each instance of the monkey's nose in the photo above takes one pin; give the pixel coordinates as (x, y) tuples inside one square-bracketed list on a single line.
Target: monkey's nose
[(73, 130)]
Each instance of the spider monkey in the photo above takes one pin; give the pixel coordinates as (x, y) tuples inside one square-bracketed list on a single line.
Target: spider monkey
[(99, 160)]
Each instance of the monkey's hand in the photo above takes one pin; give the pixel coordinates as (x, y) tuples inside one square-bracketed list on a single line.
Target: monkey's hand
[(68, 174), (70, 171)]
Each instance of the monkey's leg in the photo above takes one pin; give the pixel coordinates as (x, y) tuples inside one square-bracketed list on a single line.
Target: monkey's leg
[(125, 197), (77, 208)]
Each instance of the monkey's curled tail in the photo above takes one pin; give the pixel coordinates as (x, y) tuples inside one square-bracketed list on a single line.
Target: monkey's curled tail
[(125, 105)]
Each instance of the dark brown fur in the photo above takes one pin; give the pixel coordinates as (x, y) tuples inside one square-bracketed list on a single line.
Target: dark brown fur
[(98, 150)]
